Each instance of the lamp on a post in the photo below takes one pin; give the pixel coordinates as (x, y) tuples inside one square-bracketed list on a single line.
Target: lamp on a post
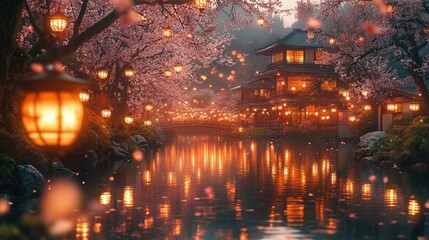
[(58, 22), (52, 112)]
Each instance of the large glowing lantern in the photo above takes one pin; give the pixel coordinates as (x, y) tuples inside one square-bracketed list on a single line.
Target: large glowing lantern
[(128, 119), (52, 112), (167, 32), (201, 4), (58, 22), (102, 74), (106, 113), (332, 41), (414, 107), (310, 35)]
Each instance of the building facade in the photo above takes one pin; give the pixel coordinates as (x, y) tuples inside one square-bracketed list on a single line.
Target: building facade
[(295, 87)]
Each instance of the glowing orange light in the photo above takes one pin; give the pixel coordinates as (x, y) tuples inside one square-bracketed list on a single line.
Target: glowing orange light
[(52, 112), (201, 4), (261, 21), (168, 73), (58, 22), (106, 112), (367, 107), (178, 67), (128, 119), (105, 198), (392, 107), (84, 96), (102, 74), (389, 8), (413, 207), (414, 107), (167, 32), (129, 72), (128, 198)]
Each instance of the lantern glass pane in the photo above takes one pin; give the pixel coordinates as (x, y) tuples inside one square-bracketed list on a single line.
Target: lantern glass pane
[(52, 118), (58, 24), (28, 107), (47, 112)]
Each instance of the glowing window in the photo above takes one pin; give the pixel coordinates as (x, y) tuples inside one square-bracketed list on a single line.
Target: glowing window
[(295, 56), (298, 83)]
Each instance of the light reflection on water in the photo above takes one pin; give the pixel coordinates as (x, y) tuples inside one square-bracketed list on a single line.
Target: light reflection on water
[(201, 187)]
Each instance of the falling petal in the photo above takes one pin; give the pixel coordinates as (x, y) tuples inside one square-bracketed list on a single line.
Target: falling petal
[(58, 207), (370, 28)]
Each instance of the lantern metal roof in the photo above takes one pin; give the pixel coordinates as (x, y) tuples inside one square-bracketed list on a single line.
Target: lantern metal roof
[(51, 80)]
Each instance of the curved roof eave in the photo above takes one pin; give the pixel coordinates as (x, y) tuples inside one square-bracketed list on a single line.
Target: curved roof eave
[(267, 50)]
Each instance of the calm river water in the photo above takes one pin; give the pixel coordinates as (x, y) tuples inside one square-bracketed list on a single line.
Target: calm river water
[(206, 187)]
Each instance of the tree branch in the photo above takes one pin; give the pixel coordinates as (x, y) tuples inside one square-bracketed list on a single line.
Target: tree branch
[(80, 17), (77, 41), (32, 20)]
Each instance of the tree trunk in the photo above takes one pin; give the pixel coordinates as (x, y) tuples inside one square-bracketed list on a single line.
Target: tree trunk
[(421, 84), (10, 20)]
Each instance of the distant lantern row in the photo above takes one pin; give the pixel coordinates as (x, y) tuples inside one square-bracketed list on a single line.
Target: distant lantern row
[(103, 73), (177, 68), (58, 21), (107, 113)]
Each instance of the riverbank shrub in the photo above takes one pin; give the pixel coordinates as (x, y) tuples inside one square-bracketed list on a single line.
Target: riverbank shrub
[(7, 164), (367, 122), (407, 140), (95, 136), (153, 135), (17, 144)]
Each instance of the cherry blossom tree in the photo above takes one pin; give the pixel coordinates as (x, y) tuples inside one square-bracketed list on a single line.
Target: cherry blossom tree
[(377, 45), (101, 32)]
